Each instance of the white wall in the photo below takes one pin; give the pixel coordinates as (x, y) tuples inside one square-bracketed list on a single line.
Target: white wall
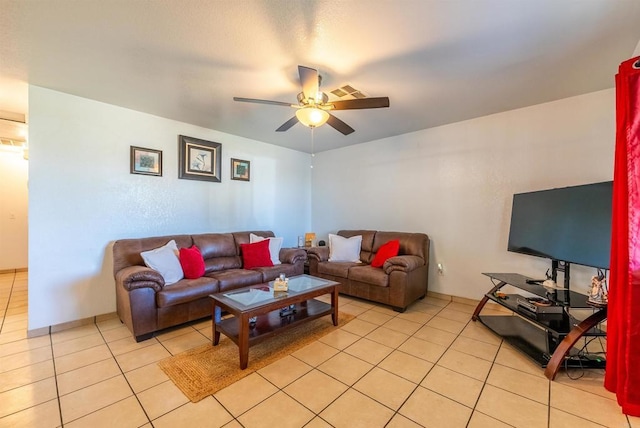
[(456, 183), (82, 197), (14, 170)]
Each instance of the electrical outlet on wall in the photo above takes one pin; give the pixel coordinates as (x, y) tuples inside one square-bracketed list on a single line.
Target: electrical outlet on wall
[(440, 269)]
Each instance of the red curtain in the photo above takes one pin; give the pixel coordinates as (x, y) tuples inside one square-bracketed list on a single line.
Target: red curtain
[(623, 323)]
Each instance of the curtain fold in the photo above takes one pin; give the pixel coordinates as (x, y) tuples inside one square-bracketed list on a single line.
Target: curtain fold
[(623, 323)]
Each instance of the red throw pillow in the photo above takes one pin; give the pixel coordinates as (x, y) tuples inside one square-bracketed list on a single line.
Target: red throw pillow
[(386, 251), (256, 255), (192, 262)]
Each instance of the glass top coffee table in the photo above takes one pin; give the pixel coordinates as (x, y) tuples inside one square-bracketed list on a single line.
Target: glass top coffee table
[(257, 309)]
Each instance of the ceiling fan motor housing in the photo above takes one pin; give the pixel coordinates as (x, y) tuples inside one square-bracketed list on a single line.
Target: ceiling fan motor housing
[(310, 101)]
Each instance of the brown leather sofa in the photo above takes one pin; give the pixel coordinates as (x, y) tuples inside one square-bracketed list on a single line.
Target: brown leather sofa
[(402, 279), (146, 305)]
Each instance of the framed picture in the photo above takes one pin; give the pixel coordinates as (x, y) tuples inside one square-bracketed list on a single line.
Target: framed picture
[(146, 161), (240, 169), (199, 159)]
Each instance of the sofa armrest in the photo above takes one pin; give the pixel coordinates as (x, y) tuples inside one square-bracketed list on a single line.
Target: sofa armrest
[(320, 254), (292, 255), (133, 277), (405, 263)]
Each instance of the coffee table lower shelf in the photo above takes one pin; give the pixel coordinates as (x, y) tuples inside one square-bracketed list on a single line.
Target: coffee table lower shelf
[(272, 323), (262, 304), (268, 325)]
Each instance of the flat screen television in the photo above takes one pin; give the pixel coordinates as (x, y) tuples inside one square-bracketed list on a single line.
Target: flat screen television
[(570, 224)]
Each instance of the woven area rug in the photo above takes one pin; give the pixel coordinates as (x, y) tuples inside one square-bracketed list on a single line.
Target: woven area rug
[(202, 371)]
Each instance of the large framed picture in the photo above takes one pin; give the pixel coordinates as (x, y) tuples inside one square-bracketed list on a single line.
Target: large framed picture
[(199, 159), (146, 161), (240, 169)]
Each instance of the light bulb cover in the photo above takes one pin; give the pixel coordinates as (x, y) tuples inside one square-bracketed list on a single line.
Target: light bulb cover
[(312, 116)]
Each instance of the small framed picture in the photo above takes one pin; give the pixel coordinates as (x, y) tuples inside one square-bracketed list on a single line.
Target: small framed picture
[(240, 169), (199, 159), (146, 161)]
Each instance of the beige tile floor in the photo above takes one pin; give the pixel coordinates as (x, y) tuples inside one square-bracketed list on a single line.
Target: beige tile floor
[(430, 366)]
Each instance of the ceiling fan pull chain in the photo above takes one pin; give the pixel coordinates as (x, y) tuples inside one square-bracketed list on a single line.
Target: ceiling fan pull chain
[(313, 152)]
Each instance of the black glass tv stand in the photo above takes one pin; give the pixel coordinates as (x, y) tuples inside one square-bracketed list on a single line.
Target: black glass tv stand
[(547, 338)]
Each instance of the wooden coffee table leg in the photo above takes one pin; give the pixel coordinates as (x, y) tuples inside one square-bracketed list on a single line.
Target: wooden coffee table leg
[(243, 341), (334, 305), (216, 333)]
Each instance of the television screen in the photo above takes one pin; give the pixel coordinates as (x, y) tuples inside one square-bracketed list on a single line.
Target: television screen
[(571, 224)]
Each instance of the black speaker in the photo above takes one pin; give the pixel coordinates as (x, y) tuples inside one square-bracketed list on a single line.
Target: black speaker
[(321, 243)]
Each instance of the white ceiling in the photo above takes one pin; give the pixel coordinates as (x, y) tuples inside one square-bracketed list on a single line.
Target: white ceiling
[(439, 61)]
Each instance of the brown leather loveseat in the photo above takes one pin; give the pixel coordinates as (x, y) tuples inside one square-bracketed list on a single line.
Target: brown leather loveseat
[(399, 282), (145, 304)]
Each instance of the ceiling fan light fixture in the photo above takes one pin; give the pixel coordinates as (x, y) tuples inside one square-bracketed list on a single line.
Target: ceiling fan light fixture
[(311, 116)]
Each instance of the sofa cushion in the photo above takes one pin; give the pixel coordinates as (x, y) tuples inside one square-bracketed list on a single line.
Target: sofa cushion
[(386, 251), (218, 250), (272, 272), (215, 244), (369, 275), (337, 269), (165, 260), (192, 262), (186, 290), (217, 264), (343, 249), (274, 246), (235, 278), (256, 255), (416, 244)]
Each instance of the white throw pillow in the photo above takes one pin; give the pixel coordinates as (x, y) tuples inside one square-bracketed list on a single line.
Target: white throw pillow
[(165, 260), (274, 246), (343, 249)]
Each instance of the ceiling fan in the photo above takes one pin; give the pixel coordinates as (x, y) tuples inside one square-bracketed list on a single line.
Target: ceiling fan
[(313, 108)]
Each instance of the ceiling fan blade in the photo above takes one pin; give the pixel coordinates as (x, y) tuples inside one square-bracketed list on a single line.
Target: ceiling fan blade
[(288, 124), (309, 81), (339, 125), (253, 100), (359, 103)]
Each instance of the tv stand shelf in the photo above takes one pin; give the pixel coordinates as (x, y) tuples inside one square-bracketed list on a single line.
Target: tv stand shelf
[(546, 338)]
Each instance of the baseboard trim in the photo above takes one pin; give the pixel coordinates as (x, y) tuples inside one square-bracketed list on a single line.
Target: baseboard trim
[(439, 296), (43, 331), (16, 270), (465, 301), (37, 332)]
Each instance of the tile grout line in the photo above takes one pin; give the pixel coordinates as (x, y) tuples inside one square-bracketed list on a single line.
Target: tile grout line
[(288, 395), (351, 387), (13, 281), (55, 377), (484, 384), (458, 335), (397, 412), (124, 376), (284, 392)]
